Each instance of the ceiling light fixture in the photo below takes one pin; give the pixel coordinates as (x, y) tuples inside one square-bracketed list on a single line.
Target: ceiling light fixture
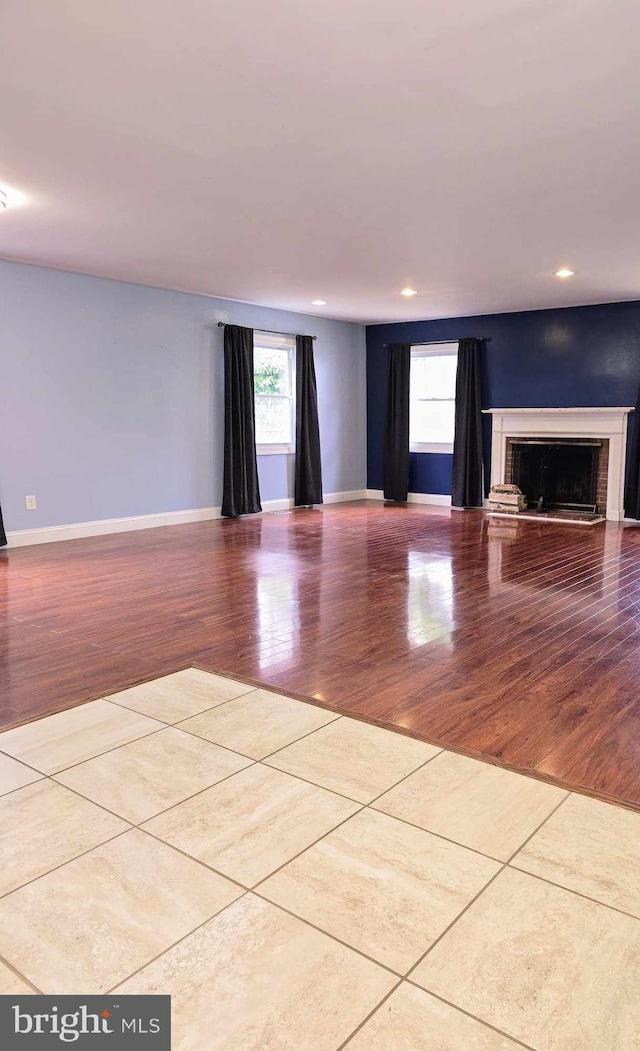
[(409, 292), (319, 302), (563, 272), (10, 198)]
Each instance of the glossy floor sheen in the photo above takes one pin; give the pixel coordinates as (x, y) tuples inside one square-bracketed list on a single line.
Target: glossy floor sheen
[(516, 641), (387, 896)]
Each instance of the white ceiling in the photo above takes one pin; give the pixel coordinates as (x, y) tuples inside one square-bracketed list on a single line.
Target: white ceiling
[(282, 151)]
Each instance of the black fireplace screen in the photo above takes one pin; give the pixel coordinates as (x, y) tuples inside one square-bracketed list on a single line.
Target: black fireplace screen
[(557, 475)]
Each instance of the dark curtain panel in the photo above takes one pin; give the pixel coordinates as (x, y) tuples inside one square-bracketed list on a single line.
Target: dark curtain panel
[(308, 471), (466, 482), (240, 490), (3, 535), (632, 489), (395, 448)]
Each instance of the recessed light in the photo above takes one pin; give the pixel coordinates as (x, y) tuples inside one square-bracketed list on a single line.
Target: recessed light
[(10, 198), (409, 292), (319, 302), (564, 272)]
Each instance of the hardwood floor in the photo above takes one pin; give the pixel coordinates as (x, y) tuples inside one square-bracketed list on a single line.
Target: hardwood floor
[(515, 641)]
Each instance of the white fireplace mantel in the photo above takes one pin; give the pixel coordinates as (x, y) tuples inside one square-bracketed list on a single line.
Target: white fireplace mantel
[(605, 422)]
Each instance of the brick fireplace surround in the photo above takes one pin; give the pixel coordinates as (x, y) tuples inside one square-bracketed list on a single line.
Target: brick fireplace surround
[(609, 425)]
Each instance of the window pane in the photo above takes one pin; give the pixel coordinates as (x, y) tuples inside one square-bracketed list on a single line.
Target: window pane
[(271, 371), (434, 376), (432, 397), (431, 421), (273, 419)]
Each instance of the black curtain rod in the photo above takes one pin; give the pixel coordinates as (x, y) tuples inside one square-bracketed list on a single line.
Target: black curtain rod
[(439, 342), (271, 331)]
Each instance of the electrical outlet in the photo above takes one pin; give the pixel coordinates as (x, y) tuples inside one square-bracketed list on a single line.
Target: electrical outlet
[(30, 503)]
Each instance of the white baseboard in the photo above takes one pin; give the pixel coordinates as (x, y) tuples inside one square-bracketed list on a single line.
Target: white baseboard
[(78, 530), (287, 504), (348, 494), (435, 499), (269, 506)]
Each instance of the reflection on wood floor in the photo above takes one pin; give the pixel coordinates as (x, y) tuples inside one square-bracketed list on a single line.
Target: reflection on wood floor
[(511, 640)]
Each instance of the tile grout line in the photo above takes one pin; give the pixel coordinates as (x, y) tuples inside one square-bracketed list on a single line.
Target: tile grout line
[(19, 974), (74, 791), (395, 817), (250, 763), (173, 945), (241, 887), (327, 934), (438, 835), (285, 773), (21, 761), (247, 891), (475, 1018), (502, 868), (304, 850), (123, 744), (314, 784), (220, 704), (138, 825), (159, 813), (198, 861), (183, 729), (10, 791), (577, 893), (108, 699), (350, 718), (370, 1015), (14, 890), (536, 830), (131, 827), (309, 703), (336, 718), (405, 777)]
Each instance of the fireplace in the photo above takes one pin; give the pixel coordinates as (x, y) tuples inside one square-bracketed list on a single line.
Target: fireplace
[(602, 429), (563, 474)]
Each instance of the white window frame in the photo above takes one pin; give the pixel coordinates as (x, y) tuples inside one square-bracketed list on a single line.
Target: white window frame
[(433, 350), (273, 341)]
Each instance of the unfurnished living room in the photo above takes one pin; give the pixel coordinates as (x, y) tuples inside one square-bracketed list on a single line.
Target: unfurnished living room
[(319, 508)]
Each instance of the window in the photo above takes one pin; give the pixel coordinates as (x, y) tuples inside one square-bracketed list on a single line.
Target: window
[(432, 393), (273, 384)]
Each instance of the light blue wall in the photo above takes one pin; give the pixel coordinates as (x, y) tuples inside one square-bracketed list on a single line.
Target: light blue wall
[(111, 398)]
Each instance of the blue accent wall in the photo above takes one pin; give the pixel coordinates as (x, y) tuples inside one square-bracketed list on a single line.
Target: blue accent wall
[(577, 356), (111, 398)]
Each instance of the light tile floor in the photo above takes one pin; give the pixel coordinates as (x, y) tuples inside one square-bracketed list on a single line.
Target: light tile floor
[(300, 880)]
